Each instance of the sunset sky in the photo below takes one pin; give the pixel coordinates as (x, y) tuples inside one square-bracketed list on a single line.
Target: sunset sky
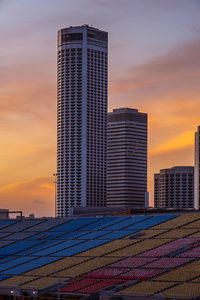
[(154, 65)]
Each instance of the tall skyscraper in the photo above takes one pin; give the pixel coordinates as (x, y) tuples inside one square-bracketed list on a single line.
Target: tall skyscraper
[(197, 170), (81, 118), (127, 158), (174, 188)]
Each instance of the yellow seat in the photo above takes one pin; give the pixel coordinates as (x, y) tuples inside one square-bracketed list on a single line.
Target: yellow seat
[(148, 233), (195, 225), (139, 247), (195, 235), (17, 280), (177, 233), (87, 266), (107, 248), (184, 273), (184, 291), (178, 221), (56, 266), (42, 283), (145, 288)]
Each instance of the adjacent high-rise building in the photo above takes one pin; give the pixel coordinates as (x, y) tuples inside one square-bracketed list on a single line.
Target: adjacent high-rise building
[(81, 118), (174, 188), (127, 158), (197, 170)]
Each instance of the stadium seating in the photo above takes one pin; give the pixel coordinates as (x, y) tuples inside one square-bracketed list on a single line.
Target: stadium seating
[(43, 282), (183, 273), (168, 262), (170, 247), (147, 288), (177, 233), (129, 255), (140, 246), (133, 262), (193, 225), (184, 291), (86, 266), (184, 220), (109, 247)]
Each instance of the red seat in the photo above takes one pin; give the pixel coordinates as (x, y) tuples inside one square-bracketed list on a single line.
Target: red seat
[(168, 262), (133, 262), (79, 285), (139, 274), (100, 286), (105, 273)]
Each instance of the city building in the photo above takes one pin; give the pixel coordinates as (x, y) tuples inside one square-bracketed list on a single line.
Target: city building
[(127, 158), (81, 118), (197, 169), (174, 188)]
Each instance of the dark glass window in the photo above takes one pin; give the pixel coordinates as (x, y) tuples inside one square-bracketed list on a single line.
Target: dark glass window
[(71, 37)]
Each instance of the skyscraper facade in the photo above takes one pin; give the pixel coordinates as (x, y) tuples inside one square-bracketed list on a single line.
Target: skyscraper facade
[(81, 118), (197, 170), (174, 188), (127, 158)]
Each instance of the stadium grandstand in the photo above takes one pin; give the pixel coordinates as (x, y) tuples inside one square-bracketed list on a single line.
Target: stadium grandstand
[(151, 256)]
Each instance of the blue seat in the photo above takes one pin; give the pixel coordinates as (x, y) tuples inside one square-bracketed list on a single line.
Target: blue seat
[(43, 245), (6, 223), (3, 277), (58, 247), (92, 235), (18, 246), (14, 262), (101, 222), (128, 222), (52, 235), (36, 236), (28, 266), (114, 221), (74, 224), (80, 248), (116, 235), (155, 220), (72, 235)]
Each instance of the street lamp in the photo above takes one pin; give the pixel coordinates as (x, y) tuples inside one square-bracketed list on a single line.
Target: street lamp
[(58, 283), (55, 185)]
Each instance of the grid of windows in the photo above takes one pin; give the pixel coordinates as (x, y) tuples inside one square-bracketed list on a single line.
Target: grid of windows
[(127, 158), (69, 127), (174, 188), (96, 127)]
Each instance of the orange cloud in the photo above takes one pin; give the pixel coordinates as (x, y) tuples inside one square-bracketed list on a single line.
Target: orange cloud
[(34, 196), (184, 140), (170, 77)]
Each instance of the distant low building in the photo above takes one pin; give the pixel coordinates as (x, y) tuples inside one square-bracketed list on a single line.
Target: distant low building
[(174, 188), (4, 214)]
